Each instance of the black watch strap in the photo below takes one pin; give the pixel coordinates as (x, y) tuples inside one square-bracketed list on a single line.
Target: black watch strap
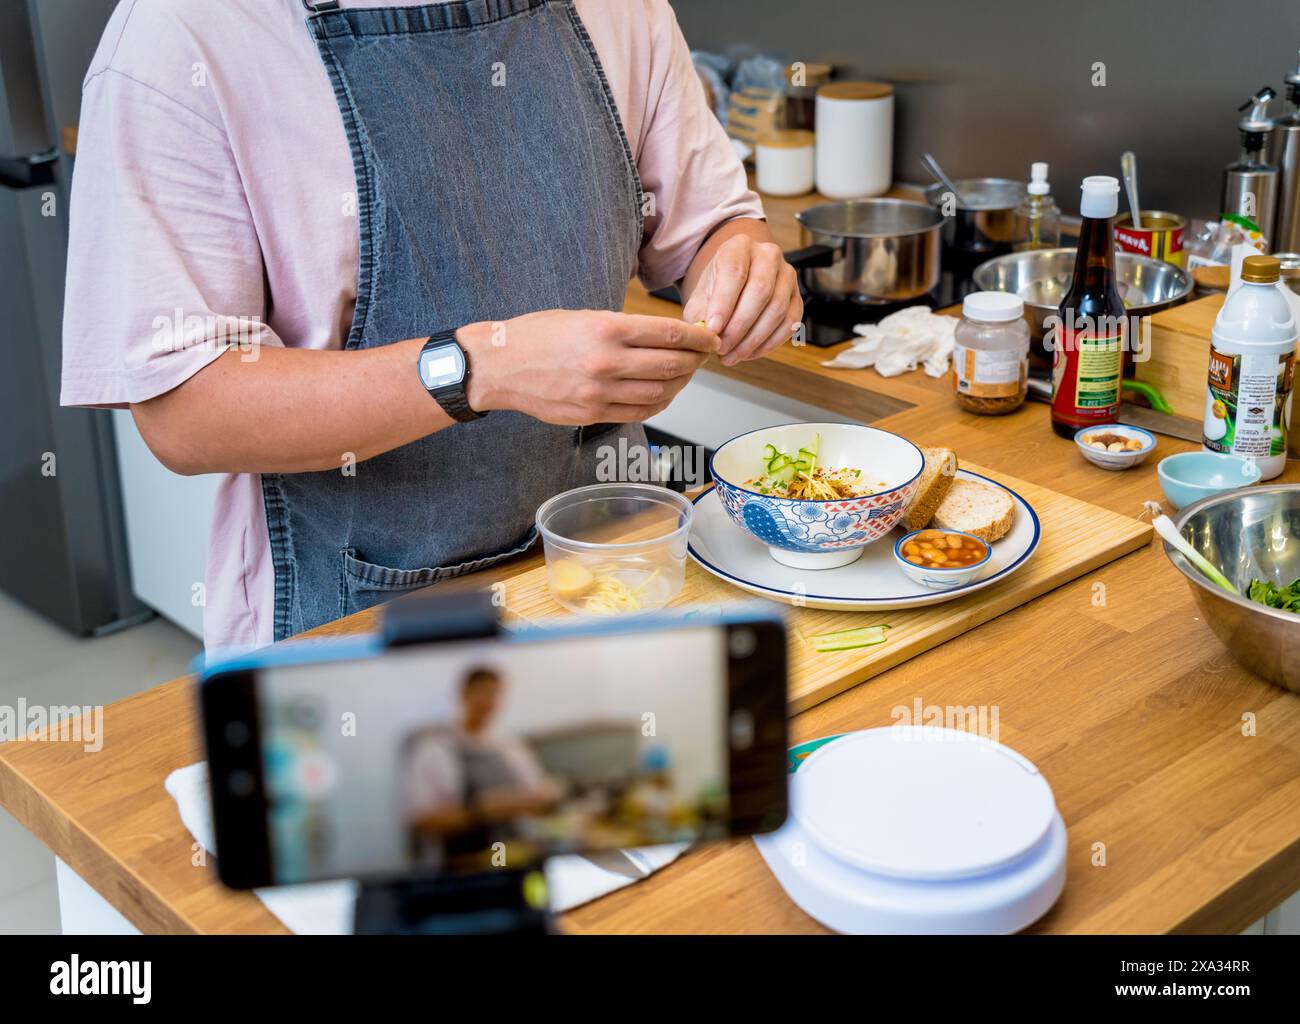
[(452, 397)]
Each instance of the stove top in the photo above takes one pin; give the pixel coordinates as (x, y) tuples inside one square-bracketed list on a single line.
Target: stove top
[(828, 322)]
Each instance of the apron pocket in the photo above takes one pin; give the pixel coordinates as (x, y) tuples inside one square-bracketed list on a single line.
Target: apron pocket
[(366, 584)]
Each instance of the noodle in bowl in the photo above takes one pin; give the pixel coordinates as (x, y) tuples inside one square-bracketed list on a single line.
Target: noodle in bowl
[(819, 534)]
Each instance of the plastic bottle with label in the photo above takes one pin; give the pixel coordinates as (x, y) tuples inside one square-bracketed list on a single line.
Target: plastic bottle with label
[(1252, 366), (990, 356)]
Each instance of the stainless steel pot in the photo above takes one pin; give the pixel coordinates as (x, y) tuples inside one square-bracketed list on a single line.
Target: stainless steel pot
[(870, 251), (987, 222)]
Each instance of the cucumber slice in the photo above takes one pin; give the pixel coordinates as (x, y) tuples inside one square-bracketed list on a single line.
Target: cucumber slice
[(849, 639)]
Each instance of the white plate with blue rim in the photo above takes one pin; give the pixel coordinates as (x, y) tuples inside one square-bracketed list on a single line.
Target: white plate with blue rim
[(873, 582)]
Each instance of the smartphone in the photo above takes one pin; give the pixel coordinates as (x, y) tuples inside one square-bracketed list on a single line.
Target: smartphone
[(348, 760)]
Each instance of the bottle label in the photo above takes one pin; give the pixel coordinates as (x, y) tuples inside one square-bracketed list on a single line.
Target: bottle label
[(984, 374), (1248, 404), (1101, 362), (1087, 370)]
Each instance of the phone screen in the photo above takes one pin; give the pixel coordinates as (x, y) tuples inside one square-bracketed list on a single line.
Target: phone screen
[(465, 756)]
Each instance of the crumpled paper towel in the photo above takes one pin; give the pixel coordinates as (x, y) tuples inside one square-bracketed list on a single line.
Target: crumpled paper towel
[(902, 341)]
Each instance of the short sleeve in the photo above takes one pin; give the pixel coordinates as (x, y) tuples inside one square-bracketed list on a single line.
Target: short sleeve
[(164, 267), (432, 778), (687, 163)]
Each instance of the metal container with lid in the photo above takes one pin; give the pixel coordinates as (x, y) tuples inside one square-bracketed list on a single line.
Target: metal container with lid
[(869, 251), (986, 223), (1250, 184), (1284, 153)]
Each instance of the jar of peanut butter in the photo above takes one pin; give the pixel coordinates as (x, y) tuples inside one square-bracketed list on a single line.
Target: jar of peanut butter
[(990, 357)]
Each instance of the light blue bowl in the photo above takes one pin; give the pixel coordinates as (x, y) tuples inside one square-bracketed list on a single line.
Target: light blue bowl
[(1191, 476)]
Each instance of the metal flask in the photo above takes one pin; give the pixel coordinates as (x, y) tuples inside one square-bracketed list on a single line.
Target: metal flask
[(1250, 185), (1284, 153)]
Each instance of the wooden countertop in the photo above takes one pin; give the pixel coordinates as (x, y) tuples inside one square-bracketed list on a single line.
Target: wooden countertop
[(1111, 684)]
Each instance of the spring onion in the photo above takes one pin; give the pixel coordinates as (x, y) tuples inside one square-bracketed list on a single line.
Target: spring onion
[(1169, 533)]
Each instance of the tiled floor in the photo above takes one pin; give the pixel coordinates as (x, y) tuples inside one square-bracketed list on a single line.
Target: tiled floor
[(44, 664)]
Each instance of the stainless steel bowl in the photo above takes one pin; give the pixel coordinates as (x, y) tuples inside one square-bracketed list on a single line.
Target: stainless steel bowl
[(1042, 277), (1252, 533), (987, 221), (870, 250)]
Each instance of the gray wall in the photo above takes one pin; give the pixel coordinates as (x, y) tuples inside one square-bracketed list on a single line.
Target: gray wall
[(989, 87)]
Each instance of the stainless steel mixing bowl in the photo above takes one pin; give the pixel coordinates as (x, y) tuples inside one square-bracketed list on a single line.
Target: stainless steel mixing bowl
[(1042, 277), (1252, 533)]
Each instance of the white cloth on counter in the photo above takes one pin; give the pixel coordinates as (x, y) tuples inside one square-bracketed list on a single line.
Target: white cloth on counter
[(912, 337), (325, 908)]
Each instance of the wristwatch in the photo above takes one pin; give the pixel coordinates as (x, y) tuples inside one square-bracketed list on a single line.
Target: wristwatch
[(444, 372)]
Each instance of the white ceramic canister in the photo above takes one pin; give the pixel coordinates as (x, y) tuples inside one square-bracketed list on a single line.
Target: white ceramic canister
[(855, 139), (784, 162)]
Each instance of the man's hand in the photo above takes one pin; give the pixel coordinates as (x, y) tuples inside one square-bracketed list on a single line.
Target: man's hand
[(576, 367), (747, 294)]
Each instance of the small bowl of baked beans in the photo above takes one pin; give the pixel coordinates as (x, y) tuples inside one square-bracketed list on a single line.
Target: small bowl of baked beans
[(941, 559)]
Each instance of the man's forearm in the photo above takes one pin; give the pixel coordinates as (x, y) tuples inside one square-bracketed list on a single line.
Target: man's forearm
[(291, 410), (303, 410)]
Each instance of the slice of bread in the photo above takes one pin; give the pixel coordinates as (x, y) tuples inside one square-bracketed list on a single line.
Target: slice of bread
[(978, 508), (936, 479)]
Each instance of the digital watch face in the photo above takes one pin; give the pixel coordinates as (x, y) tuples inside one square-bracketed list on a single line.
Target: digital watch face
[(442, 366)]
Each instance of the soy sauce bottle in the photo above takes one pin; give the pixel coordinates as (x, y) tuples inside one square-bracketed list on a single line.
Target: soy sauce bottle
[(1090, 334)]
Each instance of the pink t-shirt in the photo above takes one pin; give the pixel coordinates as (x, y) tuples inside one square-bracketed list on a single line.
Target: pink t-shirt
[(211, 169)]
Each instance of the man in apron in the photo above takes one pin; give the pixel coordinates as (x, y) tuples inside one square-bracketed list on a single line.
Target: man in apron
[(367, 260), (465, 786)]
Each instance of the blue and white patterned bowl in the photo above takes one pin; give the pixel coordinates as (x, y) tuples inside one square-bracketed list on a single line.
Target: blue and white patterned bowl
[(819, 534)]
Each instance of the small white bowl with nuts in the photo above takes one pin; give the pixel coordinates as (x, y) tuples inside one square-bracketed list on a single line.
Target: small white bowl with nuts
[(1115, 446)]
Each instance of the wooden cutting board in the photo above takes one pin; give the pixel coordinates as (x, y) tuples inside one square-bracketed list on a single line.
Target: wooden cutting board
[(1076, 538)]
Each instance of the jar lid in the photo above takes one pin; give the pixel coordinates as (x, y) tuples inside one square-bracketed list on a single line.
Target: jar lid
[(855, 91), (995, 306), (1260, 269), (814, 73), (794, 138)]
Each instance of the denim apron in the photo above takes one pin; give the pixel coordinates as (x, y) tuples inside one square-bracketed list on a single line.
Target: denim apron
[(493, 179)]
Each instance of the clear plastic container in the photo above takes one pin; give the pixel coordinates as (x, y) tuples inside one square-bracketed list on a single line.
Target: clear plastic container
[(990, 357), (614, 549)]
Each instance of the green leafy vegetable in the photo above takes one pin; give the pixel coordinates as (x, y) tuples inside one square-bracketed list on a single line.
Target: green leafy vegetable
[(1268, 593)]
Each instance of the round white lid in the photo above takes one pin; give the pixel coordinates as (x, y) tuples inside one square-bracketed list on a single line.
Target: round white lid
[(995, 306), (1100, 196), (922, 803)]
